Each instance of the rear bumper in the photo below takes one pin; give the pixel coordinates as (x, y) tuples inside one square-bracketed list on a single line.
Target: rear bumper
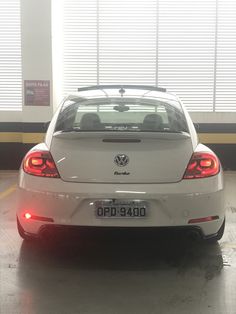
[(72, 204), (51, 232)]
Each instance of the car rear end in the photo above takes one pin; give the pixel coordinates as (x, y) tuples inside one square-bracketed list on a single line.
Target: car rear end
[(121, 158)]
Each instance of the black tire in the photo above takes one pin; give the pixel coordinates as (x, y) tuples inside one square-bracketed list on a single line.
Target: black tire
[(219, 234), (22, 232)]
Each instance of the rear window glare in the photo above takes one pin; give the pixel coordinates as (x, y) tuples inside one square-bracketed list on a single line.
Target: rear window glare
[(120, 115)]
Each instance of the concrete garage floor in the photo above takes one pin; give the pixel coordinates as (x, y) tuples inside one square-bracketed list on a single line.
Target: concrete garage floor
[(119, 273)]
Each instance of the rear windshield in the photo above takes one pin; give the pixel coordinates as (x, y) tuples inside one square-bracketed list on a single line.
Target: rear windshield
[(119, 115)]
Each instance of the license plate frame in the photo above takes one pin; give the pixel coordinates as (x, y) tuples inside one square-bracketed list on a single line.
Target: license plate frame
[(121, 209)]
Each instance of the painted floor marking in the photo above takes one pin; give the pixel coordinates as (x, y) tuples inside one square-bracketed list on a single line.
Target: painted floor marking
[(7, 192)]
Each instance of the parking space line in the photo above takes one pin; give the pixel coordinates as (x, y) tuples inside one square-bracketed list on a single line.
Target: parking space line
[(8, 191)]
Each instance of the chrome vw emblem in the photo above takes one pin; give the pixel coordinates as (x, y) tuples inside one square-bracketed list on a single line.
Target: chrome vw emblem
[(121, 160)]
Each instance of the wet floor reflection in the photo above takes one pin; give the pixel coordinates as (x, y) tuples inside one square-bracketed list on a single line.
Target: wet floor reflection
[(98, 272), (123, 251)]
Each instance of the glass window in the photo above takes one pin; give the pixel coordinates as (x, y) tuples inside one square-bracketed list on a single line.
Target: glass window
[(119, 115)]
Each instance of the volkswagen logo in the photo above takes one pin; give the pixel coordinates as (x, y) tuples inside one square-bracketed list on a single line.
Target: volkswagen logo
[(121, 160)]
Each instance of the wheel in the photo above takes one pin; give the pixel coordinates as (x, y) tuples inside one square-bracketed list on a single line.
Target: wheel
[(219, 234), (22, 232)]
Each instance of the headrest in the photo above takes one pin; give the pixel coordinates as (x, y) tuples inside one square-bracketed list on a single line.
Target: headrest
[(90, 121), (152, 122)]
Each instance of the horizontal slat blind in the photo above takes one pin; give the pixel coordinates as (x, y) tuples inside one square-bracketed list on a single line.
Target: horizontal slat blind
[(186, 50), (10, 56), (80, 44), (127, 41), (187, 46), (226, 56)]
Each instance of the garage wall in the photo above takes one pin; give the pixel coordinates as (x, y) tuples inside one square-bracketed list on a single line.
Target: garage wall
[(20, 130)]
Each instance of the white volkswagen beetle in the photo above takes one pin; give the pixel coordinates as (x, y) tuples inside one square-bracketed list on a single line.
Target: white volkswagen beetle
[(121, 156)]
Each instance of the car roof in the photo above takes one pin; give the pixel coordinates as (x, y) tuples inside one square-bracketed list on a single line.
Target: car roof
[(135, 91)]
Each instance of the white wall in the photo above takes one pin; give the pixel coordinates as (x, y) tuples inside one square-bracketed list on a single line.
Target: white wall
[(36, 52), (213, 117)]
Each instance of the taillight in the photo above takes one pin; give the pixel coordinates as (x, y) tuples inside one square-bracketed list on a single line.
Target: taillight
[(202, 165), (204, 219), (40, 163), (28, 216)]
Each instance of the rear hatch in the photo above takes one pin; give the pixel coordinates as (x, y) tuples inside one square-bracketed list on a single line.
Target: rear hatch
[(152, 158), (150, 134)]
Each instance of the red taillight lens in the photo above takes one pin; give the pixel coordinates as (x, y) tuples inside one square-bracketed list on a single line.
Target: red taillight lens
[(205, 219), (202, 165), (28, 216), (40, 163)]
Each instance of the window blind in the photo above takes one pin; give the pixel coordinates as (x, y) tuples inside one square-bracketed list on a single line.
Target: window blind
[(186, 46), (80, 44), (127, 41), (10, 56), (225, 98), (186, 50)]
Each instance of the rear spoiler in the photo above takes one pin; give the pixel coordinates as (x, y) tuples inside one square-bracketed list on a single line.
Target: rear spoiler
[(122, 87)]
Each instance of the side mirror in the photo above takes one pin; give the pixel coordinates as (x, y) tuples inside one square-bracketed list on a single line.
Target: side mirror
[(197, 126), (45, 126)]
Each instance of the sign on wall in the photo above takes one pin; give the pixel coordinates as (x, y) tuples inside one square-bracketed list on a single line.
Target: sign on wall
[(37, 93)]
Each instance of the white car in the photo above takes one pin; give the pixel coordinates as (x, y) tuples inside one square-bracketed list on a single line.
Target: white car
[(121, 156)]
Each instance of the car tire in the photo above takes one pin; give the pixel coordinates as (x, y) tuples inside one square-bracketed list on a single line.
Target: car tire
[(22, 232), (219, 234)]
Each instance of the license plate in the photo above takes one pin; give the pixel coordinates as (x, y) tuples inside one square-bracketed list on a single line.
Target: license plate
[(120, 209)]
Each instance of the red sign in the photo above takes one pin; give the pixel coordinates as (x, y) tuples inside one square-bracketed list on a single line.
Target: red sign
[(37, 93)]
